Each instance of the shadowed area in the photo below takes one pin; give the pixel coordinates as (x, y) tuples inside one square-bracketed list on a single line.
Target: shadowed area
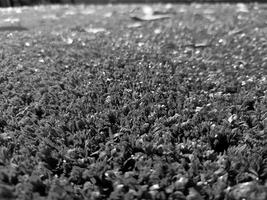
[(13, 28)]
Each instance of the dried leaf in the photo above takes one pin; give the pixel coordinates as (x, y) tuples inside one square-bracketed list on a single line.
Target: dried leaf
[(149, 17), (201, 44), (241, 7), (235, 31), (135, 25), (95, 30)]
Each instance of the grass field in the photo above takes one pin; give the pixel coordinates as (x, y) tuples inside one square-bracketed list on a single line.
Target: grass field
[(133, 102)]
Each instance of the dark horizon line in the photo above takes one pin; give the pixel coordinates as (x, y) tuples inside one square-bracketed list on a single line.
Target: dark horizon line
[(10, 3)]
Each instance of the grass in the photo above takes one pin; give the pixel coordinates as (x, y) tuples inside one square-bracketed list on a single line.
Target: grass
[(96, 105)]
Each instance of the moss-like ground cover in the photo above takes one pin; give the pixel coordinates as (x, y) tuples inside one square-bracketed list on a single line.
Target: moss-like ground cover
[(96, 105)]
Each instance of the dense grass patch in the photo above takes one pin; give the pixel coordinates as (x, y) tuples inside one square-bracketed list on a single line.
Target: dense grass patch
[(95, 105)]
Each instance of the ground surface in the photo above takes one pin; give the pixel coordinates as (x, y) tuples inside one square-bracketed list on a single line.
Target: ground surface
[(133, 102)]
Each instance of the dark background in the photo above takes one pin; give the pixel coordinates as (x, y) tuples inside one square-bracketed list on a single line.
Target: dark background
[(8, 3)]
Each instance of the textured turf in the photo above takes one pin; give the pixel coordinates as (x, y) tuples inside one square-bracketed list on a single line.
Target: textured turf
[(133, 102)]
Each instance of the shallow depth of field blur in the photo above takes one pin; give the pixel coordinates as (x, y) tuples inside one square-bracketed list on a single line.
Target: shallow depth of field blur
[(133, 101)]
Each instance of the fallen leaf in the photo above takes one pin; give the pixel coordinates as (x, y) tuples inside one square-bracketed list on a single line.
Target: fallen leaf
[(148, 14), (201, 44), (241, 7), (95, 30), (134, 25), (198, 44), (149, 17)]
